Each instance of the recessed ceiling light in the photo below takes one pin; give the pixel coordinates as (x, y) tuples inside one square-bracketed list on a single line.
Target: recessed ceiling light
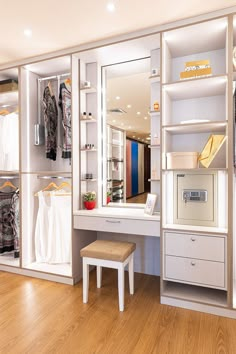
[(5, 105), (117, 97), (145, 118), (28, 32), (129, 127), (138, 138), (133, 136), (128, 106), (148, 138), (138, 113), (111, 6), (114, 121)]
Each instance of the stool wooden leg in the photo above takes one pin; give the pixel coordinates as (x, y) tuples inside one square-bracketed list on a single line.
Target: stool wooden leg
[(131, 275), (99, 276), (85, 280), (121, 286)]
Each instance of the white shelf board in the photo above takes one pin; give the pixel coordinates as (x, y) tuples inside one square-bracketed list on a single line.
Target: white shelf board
[(88, 121), (89, 180), (195, 169), (154, 146), (195, 293), (197, 38), (154, 78), (197, 87), (193, 228), (154, 180), (205, 127), (10, 97), (88, 89), (154, 113), (89, 150)]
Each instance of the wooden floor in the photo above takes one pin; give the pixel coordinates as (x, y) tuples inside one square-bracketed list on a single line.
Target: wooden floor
[(38, 316), (141, 198)]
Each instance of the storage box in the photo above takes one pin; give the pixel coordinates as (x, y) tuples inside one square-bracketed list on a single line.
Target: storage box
[(8, 85), (178, 160), (195, 73)]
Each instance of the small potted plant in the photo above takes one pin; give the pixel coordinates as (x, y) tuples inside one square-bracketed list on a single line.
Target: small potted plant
[(108, 197), (89, 200)]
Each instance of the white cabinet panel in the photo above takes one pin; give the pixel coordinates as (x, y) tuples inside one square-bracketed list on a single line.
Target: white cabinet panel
[(195, 246), (198, 272)]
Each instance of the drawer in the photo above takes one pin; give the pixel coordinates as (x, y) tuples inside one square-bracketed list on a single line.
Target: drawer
[(210, 248), (195, 271), (119, 225)]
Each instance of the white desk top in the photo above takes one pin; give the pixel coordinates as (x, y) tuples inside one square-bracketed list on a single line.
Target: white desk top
[(124, 213)]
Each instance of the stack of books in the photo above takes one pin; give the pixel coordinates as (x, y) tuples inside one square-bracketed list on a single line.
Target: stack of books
[(197, 68)]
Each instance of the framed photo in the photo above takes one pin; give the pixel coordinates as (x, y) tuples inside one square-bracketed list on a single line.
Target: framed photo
[(150, 204)]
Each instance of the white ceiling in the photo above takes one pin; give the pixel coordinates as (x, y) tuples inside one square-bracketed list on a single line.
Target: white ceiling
[(58, 24)]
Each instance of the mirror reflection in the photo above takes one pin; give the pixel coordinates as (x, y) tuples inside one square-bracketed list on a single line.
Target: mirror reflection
[(126, 132)]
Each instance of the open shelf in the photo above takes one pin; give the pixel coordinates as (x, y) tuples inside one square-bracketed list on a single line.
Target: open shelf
[(196, 88), (153, 179), (193, 228), (154, 146), (216, 126), (9, 98), (88, 120), (88, 150), (195, 293), (89, 180), (88, 89), (196, 169), (154, 78)]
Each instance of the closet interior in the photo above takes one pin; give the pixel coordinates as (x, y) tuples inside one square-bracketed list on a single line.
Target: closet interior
[(234, 141), (195, 200), (46, 155), (9, 169)]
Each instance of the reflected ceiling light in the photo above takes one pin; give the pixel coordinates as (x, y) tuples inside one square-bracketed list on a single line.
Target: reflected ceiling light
[(129, 127), (138, 138), (133, 136), (114, 121), (111, 6), (148, 138), (117, 97), (5, 105), (28, 32), (128, 106), (138, 113), (145, 118)]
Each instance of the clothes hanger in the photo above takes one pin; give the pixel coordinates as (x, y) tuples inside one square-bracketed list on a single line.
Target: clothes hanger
[(8, 184), (68, 81), (4, 112), (64, 184), (50, 88), (50, 185)]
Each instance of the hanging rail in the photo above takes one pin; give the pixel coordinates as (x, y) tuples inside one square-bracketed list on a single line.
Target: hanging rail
[(9, 177), (54, 177), (53, 77)]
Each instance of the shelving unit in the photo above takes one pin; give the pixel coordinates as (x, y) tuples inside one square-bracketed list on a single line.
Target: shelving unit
[(192, 110), (116, 157), (88, 128)]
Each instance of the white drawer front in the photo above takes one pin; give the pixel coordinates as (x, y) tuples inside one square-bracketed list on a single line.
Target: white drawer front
[(199, 272), (210, 248), (126, 226)]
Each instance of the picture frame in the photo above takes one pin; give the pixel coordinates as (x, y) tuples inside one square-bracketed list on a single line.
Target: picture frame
[(150, 204)]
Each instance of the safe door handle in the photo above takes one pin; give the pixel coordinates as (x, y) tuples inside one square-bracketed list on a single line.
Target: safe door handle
[(113, 221), (193, 263), (193, 239)]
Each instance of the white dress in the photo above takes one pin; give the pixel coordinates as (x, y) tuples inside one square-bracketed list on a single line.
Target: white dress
[(53, 229), (9, 142)]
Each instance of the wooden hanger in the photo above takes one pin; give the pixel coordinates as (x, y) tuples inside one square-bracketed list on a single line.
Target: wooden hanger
[(50, 88), (51, 185), (68, 81), (4, 112), (8, 184), (64, 184)]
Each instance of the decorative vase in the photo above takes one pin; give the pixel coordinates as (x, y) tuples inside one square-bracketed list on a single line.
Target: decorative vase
[(89, 205), (108, 199)]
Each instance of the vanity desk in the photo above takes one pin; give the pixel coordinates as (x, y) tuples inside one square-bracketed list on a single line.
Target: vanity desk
[(123, 224)]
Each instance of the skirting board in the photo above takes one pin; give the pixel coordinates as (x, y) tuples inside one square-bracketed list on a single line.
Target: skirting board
[(39, 275), (213, 310)]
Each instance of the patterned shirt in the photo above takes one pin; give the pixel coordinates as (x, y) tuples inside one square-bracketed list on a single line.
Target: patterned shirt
[(65, 105)]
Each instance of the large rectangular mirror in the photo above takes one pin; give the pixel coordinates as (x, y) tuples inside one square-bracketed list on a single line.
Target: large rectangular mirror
[(126, 115)]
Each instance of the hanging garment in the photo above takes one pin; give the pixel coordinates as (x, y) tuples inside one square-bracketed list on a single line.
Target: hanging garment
[(53, 229), (9, 142), (65, 105), (9, 220), (50, 122)]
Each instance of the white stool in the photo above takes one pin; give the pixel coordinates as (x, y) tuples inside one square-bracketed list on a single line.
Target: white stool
[(109, 254)]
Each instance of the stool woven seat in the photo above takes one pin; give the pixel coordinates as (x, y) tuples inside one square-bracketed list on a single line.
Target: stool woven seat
[(110, 254)]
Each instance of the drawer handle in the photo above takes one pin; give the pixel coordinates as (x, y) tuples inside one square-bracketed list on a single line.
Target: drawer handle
[(193, 264), (113, 221), (193, 239)]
